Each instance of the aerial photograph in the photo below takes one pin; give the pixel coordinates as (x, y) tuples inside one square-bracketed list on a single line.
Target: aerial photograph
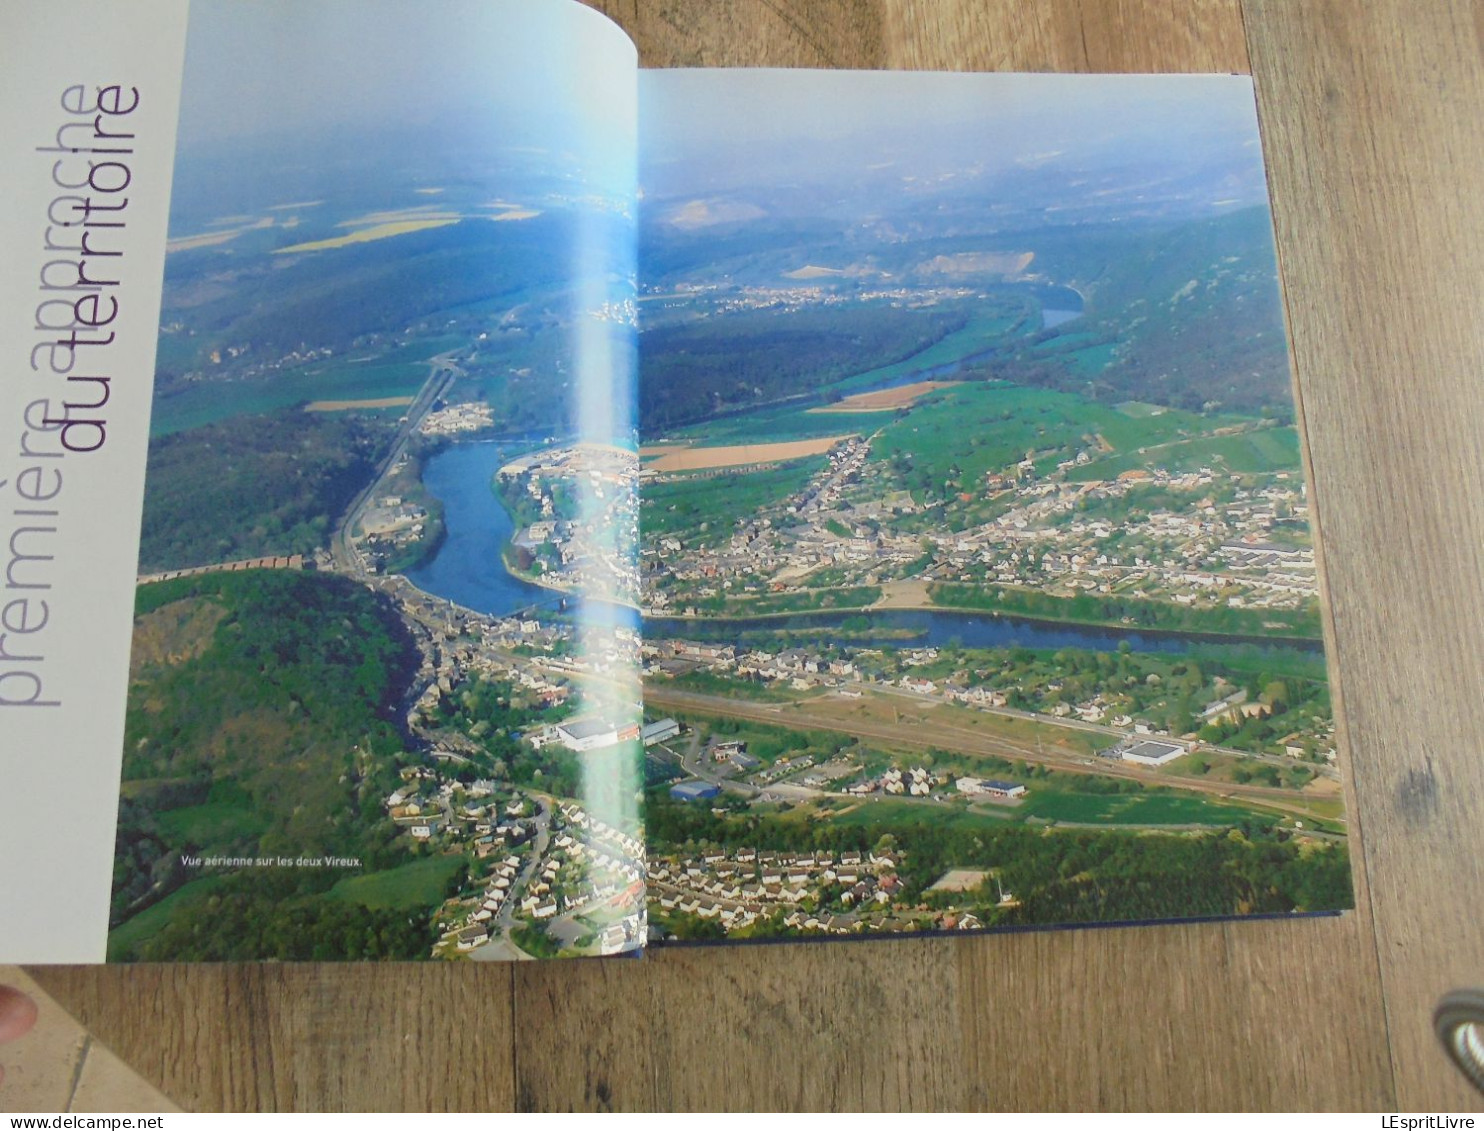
[(976, 566), (730, 505), (384, 699)]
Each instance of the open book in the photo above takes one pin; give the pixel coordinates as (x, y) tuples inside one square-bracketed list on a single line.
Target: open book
[(467, 497)]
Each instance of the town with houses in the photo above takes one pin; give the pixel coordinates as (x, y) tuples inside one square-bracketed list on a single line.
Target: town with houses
[(579, 507), (852, 671), (390, 524), (542, 866), (457, 419), (548, 876), (1215, 540), (550, 870), (545, 870), (731, 298), (745, 891)]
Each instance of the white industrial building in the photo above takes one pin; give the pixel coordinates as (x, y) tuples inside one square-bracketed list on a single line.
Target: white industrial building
[(1150, 753)]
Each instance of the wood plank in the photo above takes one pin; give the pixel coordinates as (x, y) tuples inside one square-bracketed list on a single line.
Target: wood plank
[(1064, 35), (750, 33), (1240, 1016), (1259, 1015), (852, 1026), (308, 1037), (1375, 147)]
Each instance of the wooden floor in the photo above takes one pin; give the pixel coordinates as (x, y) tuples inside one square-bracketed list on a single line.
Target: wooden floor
[(1372, 126)]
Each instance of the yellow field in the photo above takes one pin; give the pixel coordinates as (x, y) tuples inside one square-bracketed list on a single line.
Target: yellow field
[(366, 235), (342, 406), (909, 594), (211, 239), (668, 457), (884, 400), (394, 215)]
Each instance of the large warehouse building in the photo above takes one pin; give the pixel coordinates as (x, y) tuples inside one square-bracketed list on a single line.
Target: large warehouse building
[(1149, 753), (660, 731), (587, 734), (694, 791)]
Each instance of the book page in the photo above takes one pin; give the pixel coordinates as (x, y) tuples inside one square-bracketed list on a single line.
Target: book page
[(383, 700), (978, 579)]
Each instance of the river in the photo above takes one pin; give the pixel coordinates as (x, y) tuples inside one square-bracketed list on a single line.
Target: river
[(941, 627), (469, 570), (1058, 304)]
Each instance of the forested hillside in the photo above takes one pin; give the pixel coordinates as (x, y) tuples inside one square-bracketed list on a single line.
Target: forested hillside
[(1183, 314), (260, 723), (694, 369), (256, 485), (1197, 316)]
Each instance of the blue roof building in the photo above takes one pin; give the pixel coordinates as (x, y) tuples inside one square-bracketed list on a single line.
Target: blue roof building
[(694, 791)]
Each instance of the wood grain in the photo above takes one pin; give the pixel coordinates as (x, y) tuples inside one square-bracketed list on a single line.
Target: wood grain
[(750, 33), (305, 1037), (780, 1026), (1094, 36), (1375, 151)]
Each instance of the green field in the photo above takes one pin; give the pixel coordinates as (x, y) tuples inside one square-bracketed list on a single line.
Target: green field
[(979, 427), (1262, 451), (793, 422), (888, 815), (983, 426), (980, 334), (1068, 340), (1085, 354), (682, 506), (227, 816), (126, 938), (409, 887), (1092, 359), (210, 402), (783, 604), (1051, 804), (399, 372), (1130, 809), (1129, 432), (1140, 409), (770, 425)]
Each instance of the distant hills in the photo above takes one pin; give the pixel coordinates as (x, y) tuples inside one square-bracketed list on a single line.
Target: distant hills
[(1188, 312), (1195, 310)]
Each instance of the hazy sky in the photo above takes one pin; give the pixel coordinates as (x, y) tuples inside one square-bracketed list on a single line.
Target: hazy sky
[(792, 123), (544, 71), (554, 74)]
